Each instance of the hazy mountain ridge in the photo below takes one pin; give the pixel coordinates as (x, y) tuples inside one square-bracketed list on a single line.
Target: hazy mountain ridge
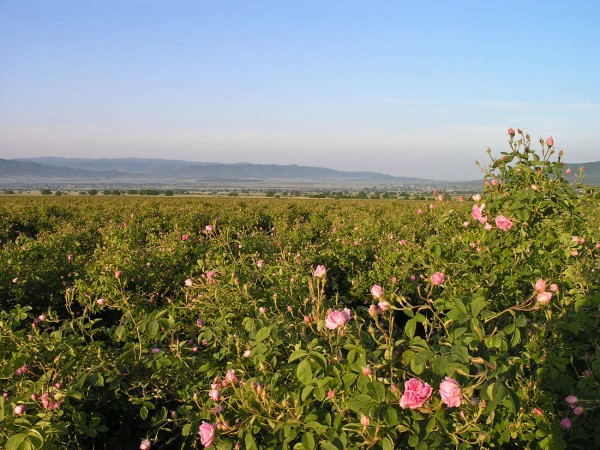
[(144, 170), (53, 167)]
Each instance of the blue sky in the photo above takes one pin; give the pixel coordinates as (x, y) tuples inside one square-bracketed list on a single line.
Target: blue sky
[(414, 88)]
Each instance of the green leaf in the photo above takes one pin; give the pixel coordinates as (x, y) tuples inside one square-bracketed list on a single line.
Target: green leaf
[(496, 392), (96, 379), (304, 372), (410, 328), (186, 429), (308, 441), (18, 441), (144, 412), (297, 354), (362, 403), (120, 332), (387, 443), (306, 392), (262, 334), (250, 442)]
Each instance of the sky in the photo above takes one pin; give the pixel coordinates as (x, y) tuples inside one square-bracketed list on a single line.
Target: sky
[(406, 88)]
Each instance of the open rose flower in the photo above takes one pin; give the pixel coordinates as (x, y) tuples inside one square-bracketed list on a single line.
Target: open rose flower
[(416, 393), (477, 213), (540, 285), (437, 278), (450, 392), (544, 297), (207, 433), (503, 223), (337, 319)]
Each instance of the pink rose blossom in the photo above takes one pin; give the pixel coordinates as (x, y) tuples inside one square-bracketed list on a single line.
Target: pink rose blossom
[(503, 223), (554, 287), (230, 377), (184, 237), (488, 226), (383, 306), (565, 423), (419, 211), (319, 271), (337, 319), (450, 392), (511, 132), (260, 263), (416, 393), (209, 228), (214, 394), (568, 171), (373, 310), (145, 444), (571, 400), (100, 301), (540, 285), (578, 410), (538, 412), (437, 278), (550, 141), (477, 213), (376, 291), (476, 197), (189, 282), (365, 421), (330, 393), (207, 433), (544, 297), (366, 371), (19, 410)]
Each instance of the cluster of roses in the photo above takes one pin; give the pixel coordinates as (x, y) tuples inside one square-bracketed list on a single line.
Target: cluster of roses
[(502, 222), (543, 296), (417, 392)]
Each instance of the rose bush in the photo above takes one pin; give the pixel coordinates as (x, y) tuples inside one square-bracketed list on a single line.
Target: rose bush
[(430, 328)]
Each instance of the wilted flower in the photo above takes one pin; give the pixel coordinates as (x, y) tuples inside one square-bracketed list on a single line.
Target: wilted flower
[(100, 301), (189, 282), (337, 318), (416, 393), (207, 433)]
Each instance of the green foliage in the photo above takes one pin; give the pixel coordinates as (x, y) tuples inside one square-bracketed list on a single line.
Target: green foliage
[(142, 318)]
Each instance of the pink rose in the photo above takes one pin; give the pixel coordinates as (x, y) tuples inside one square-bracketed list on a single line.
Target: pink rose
[(20, 410), (476, 197), (511, 132), (450, 392), (209, 228), (337, 319), (569, 171), (189, 282), (503, 223), (207, 433), (477, 213), (260, 263), (415, 394), (319, 271), (376, 291), (550, 142), (565, 423), (554, 287), (214, 395), (383, 306), (571, 400), (437, 278), (578, 410), (230, 377), (365, 421), (540, 285), (145, 444), (544, 297), (488, 226)]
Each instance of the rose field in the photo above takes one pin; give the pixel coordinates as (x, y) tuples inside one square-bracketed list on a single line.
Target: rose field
[(254, 323)]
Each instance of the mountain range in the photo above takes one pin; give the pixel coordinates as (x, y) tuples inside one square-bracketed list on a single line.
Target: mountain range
[(146, 170)]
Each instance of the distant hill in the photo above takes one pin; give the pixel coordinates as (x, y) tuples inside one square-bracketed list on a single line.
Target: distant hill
[(148, 171), (174, 170)]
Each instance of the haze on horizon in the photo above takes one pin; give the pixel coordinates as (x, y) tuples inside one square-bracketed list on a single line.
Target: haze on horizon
[(405, 88)]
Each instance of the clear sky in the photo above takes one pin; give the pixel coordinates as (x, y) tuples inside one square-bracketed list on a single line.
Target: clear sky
[(413, 88)]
